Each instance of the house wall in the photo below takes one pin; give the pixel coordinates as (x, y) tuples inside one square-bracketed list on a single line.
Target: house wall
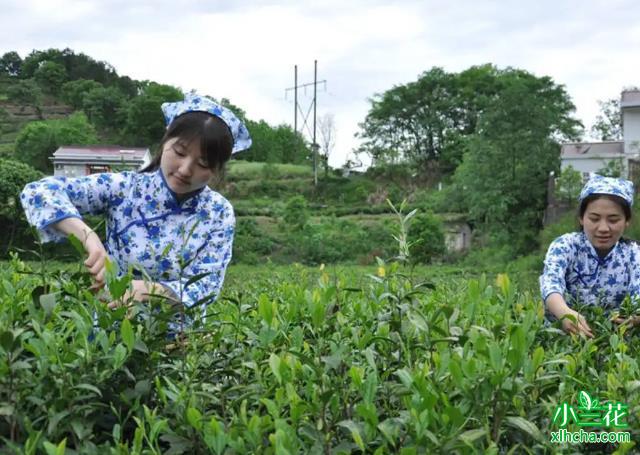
[(631, 127), (69, 170), (457, 237)]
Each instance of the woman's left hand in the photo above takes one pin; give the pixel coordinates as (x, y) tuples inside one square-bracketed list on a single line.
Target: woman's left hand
[(139, 292), (631, 321)]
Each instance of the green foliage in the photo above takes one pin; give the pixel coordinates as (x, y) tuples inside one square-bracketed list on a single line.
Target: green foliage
[(37, 141), (424, 121), (300, 361), (13, 224), (506, 163), (105, 107), (270, 171), (275, 144), (4, 120), (567, 223), (613, 168), (330, 240), (50, 76), (568, 185), (77, 65), (244, 170), (251, 243), (426, 235), (608, 124), (73, 92), (428, 123), (145, 123), (25, 91), (296, 213), (11, 64)]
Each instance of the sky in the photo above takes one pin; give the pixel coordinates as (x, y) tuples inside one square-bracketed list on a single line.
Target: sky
[(246, 50)]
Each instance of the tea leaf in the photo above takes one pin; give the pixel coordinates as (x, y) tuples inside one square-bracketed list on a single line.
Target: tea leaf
[(526, 426), (77, 245), (6, 340), (469, 436), (196, 278), (274, 363), (194, 417), (126, 332), (355, 432), (48, 302), (89, 387)]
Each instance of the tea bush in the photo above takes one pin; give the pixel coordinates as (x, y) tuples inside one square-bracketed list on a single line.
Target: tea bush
[(299, 362)]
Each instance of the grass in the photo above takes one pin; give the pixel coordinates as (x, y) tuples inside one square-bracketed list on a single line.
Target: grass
[(247, 170)]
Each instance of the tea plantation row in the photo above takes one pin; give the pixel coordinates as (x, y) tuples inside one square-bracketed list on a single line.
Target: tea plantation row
[(299, 361)]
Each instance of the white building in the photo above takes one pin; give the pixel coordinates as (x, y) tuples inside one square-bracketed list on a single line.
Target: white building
[(77, 161), (587, 157)]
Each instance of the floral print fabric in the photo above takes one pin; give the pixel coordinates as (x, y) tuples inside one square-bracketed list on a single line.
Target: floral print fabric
[(147, 227), (573, 269), (196, 103), (598, 184)]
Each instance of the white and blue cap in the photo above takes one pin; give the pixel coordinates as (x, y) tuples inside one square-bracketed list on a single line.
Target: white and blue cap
[(195, 103), (598, 184)]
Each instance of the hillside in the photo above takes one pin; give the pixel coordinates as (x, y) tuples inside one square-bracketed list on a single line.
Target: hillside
[(283, 218)]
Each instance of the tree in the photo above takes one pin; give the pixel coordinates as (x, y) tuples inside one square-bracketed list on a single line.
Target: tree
[(105, 107), (77, 66), (145, 124), (50, 76), (13, 177), (37, 141), (11, 64), (608, 124), (278, 144), (327, 139), (426, 236), (73, 92), (613, 168), (424, 122), (568, 185), (25, 91), (507, 160)]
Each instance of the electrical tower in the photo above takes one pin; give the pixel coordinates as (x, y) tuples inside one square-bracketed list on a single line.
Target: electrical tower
[(305, 117)]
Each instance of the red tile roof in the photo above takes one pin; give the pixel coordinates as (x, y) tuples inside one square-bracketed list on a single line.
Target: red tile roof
[(110, 151)]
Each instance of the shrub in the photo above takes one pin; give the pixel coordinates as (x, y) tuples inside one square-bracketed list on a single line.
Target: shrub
[(296, 213), (426, 234), (251, 243), (14, 228)]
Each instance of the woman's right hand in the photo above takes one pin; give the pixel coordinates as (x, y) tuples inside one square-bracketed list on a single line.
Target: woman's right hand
[(580, 325), (97, 254), (96, 260), (558, 307)]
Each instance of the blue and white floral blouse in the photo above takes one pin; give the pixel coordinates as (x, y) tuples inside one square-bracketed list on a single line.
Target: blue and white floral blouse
[(573, 269), (147, 227)]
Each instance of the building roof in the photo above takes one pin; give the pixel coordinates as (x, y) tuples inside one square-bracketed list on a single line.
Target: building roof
[(100, 153), (592, 150), (630, 98)]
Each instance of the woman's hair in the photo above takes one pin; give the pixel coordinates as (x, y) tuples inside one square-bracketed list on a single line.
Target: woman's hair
[(626, 209), (216, 141)]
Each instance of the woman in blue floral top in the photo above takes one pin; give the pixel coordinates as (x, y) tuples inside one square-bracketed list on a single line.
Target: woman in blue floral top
[(164, 221), (595, 266)]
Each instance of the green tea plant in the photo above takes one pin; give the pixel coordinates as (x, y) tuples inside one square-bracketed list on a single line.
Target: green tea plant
[(301, 360)]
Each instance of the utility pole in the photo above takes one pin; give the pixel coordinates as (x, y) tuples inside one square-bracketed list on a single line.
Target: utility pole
[(297, 107), (315, 104)]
